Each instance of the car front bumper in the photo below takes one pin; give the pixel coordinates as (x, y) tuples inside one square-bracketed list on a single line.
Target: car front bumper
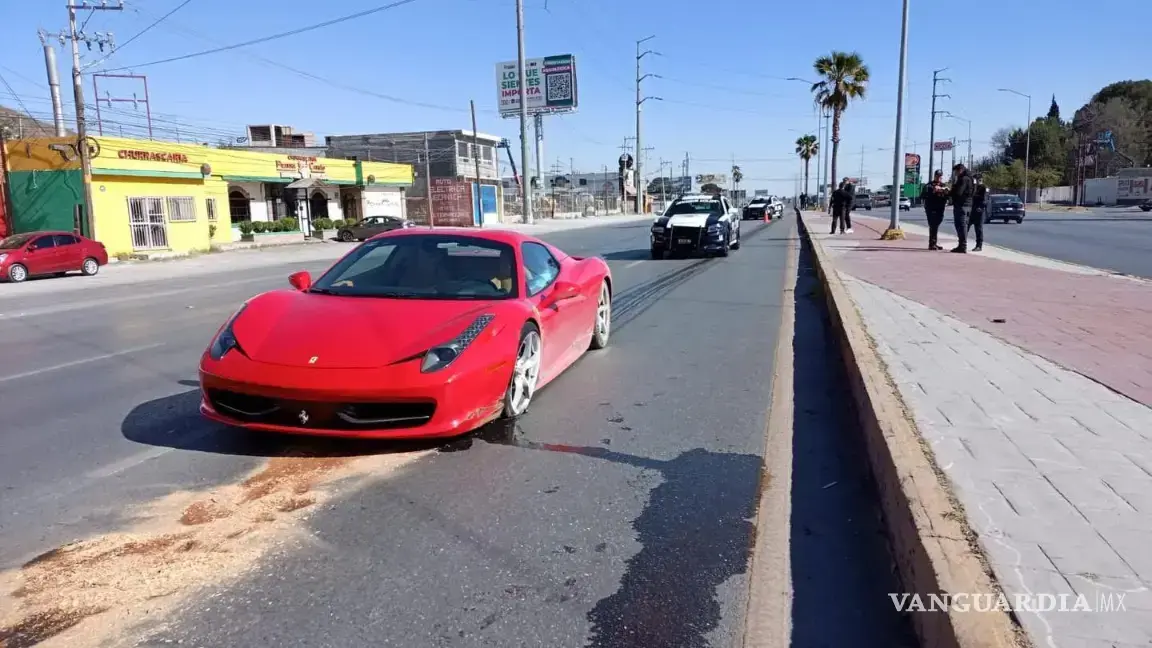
[(395, 402), (685, 240)]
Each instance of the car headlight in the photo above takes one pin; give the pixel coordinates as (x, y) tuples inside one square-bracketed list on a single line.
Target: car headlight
[(226, 340), (2, 257), (659, 225), (714, 229), (442, 355)]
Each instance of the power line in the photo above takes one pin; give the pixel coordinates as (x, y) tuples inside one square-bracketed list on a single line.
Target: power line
[(154, 23), (18, 99), (265, 39)]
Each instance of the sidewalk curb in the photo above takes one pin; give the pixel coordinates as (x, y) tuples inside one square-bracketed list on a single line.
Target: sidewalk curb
[(934, 548)]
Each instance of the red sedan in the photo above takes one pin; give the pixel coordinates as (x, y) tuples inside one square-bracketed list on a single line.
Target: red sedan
[(414, 333), (49, 253)]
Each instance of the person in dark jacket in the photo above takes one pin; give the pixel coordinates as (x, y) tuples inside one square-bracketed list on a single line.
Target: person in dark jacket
[(850, 192), (979, 205), (935, 196), (840, 205), (963, 189)]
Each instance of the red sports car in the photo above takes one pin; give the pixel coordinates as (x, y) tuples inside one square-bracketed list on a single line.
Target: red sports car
[(414, 333), (49, 253)]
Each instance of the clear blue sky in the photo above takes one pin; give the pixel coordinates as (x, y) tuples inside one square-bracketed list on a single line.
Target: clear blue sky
[(443, 52)]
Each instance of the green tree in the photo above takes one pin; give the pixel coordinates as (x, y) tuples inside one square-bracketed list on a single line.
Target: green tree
[(1044, 177), (1054, 110), (844, 79), (807, 147)]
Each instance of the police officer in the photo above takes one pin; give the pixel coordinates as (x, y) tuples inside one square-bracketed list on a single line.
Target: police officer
[(963, 189), (850, 192), (840, 205), (935, 195), (979, 205)]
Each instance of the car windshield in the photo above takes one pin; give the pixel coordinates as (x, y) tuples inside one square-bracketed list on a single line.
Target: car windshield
[(425, 266), (15, 241), (696, 207)]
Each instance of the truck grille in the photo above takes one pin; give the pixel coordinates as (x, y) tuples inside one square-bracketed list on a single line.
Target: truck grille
[(692, 234)]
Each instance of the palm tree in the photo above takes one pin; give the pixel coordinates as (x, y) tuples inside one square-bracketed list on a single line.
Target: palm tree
[(737, 176), (844, 78), (807, 147)]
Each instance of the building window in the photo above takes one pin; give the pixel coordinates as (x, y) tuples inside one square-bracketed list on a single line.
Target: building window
[(210, 207), (462, 149), (181, 209), (486, 153)]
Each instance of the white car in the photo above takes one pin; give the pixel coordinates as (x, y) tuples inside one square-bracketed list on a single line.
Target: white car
[(905, 204), (696, 223)]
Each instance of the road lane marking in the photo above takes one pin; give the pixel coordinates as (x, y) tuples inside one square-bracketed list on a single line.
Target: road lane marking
[(129, 462), (634, 264), (74, 363)]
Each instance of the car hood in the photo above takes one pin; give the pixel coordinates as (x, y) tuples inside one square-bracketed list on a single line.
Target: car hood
[(297, 329), (693, 220)]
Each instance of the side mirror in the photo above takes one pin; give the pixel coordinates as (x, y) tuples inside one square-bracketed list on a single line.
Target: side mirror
[(565, 290), (300, 280)]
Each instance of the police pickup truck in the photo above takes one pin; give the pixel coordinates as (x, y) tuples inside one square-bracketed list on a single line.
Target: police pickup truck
[(696, 223)]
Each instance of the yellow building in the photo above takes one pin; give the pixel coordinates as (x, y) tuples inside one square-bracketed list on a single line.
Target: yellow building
[(150, 196)]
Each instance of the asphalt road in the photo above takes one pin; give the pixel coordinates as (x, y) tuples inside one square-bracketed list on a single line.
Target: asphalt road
[(619, 512), (1117, 239)]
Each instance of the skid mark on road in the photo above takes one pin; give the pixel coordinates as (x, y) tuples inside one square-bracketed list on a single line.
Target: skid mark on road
[(87, 593)]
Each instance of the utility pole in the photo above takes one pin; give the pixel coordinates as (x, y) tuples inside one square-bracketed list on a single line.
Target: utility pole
[(100, 39), (687, 171), (428, 181), (521, 68), (1028, 137), (539, 128), (894, 232), (936, 79), (664, 183), (861, 164), (53, 84), (476, 159), (828, 160), (638, 166)]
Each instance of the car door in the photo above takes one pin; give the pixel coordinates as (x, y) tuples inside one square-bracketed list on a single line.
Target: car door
[(41, 257), (541, 270), (69, 252)]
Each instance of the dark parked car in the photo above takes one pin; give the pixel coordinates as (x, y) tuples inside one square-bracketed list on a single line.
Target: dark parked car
[(1146, 205), (371, 226), (757, 208), (49, 253), (1004, 207)]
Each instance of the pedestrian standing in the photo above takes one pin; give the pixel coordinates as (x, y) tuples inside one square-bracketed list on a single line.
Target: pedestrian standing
[(935, 196), (850, 193), (840, 206), (979, 206), (963, 190)]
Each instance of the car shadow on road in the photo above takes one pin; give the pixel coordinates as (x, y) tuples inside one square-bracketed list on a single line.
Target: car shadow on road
[(175, 422), (627, 255), (841, 563), (695, 532)]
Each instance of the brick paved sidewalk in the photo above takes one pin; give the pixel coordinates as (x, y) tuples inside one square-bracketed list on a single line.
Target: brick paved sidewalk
[(1033, 386)]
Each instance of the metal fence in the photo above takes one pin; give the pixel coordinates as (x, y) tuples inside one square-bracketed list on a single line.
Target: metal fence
[(563, 203)]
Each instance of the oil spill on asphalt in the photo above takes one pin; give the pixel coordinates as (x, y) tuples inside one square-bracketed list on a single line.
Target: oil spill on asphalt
[(695, 533)]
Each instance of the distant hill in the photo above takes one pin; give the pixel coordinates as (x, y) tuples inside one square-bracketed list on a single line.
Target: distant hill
[(17, 122)]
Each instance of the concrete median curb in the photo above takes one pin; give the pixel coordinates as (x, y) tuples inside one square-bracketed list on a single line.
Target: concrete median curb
[(933, 546)]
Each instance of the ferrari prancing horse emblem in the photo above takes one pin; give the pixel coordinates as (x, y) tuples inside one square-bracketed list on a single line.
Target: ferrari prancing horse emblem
[(313, 359), (303, 416)]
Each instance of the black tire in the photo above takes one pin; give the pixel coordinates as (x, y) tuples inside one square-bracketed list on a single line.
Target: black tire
[(90, 267), (736, 243), (657, 253), (602, 331), (17, 273), (727, 244), (1019, 221), (346, 236), (509, 410)]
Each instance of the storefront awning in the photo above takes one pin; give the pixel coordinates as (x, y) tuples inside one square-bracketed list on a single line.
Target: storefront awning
[(308, 183)]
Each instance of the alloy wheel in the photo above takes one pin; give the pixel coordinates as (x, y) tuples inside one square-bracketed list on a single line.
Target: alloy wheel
[(525, 373)]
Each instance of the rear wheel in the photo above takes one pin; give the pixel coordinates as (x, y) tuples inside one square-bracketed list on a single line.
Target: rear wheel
[(1019, 220), (17, 273), (603, 326), (90, 267), (346, 236), (525, 372)]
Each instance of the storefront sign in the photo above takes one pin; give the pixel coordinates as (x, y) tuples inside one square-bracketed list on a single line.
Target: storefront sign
[(452, 202), (152, 156), (287, 166), (302, 158)]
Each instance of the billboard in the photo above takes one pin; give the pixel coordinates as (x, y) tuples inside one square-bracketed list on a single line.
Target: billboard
[(551, 86), (911, 168), (945, 145)]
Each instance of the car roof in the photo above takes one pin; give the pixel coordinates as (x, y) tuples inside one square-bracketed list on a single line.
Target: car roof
[(695, 197)]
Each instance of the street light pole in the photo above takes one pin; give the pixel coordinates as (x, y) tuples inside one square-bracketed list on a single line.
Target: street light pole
[(969, 122), (1027, 137), (894, 232)]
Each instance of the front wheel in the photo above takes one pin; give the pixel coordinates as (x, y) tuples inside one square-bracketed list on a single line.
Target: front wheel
[(657, 253), (727, 245), (603, 325), (90, 267), (17, 273), (525, 372), (736, 243)]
